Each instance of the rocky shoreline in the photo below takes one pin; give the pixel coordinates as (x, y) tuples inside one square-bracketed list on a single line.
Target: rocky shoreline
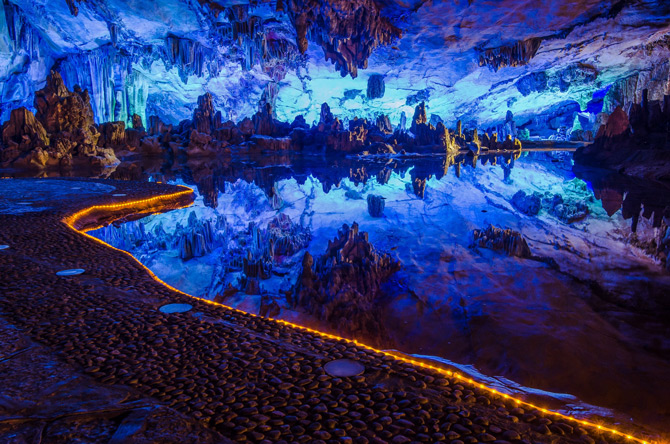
[(245, 377)]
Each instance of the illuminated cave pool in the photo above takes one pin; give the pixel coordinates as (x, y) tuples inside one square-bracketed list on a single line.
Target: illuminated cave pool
[(584, 322)]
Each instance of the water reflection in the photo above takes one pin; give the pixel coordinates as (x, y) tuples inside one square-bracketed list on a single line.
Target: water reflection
[(211, 175), (634, 196)]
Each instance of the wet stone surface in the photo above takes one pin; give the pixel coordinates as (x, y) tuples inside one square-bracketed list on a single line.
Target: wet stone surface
[(40, 195), (344, 367), (176, 308), (47, 400), (248, 378)]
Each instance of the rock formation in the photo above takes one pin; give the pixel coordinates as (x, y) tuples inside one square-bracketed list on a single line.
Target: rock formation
[(567, 211), (23, 135), (637, 143), (61, 134), (205, 118), (64, 127), (112, 135), (376, 87), (284, 237), (376, 205), (528, 204), (212, 175), (342, 286), (196, 239), (508, 241), (347, 31), (517, 54)]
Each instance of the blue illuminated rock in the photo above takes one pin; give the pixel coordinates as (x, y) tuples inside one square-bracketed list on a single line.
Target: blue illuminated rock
[(156, 57), (566, 211), (528, 204), (376, 205), (376, 87)]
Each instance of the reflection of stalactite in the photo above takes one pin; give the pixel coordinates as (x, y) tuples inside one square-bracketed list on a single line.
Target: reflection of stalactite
[(196, 239), (134, 235), (507, 168), (209, 187), (384, 175), (276, 202), (376, 205), (343, 286), (517, 54), (634, 197)]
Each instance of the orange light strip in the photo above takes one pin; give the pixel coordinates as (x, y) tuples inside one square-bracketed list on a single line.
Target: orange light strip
[(71, 221)]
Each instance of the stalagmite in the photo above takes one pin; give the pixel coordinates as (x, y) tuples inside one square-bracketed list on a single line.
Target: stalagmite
[(376, 205)]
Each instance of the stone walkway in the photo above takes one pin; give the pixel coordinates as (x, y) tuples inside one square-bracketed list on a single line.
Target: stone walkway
[(219, 372)]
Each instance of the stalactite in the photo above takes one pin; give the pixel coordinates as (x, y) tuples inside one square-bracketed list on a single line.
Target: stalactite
[(72, 5), (517, 54), (376, 205), (347, 31), (23, 36), (266, 45), (10, 19), (187, 55), (197, 239), (116, 89), (27, 52)]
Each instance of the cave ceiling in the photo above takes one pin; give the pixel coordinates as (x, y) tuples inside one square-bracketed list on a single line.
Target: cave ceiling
[(470, 60)]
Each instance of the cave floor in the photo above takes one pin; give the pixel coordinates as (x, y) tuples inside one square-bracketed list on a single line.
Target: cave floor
[(92, 354)]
